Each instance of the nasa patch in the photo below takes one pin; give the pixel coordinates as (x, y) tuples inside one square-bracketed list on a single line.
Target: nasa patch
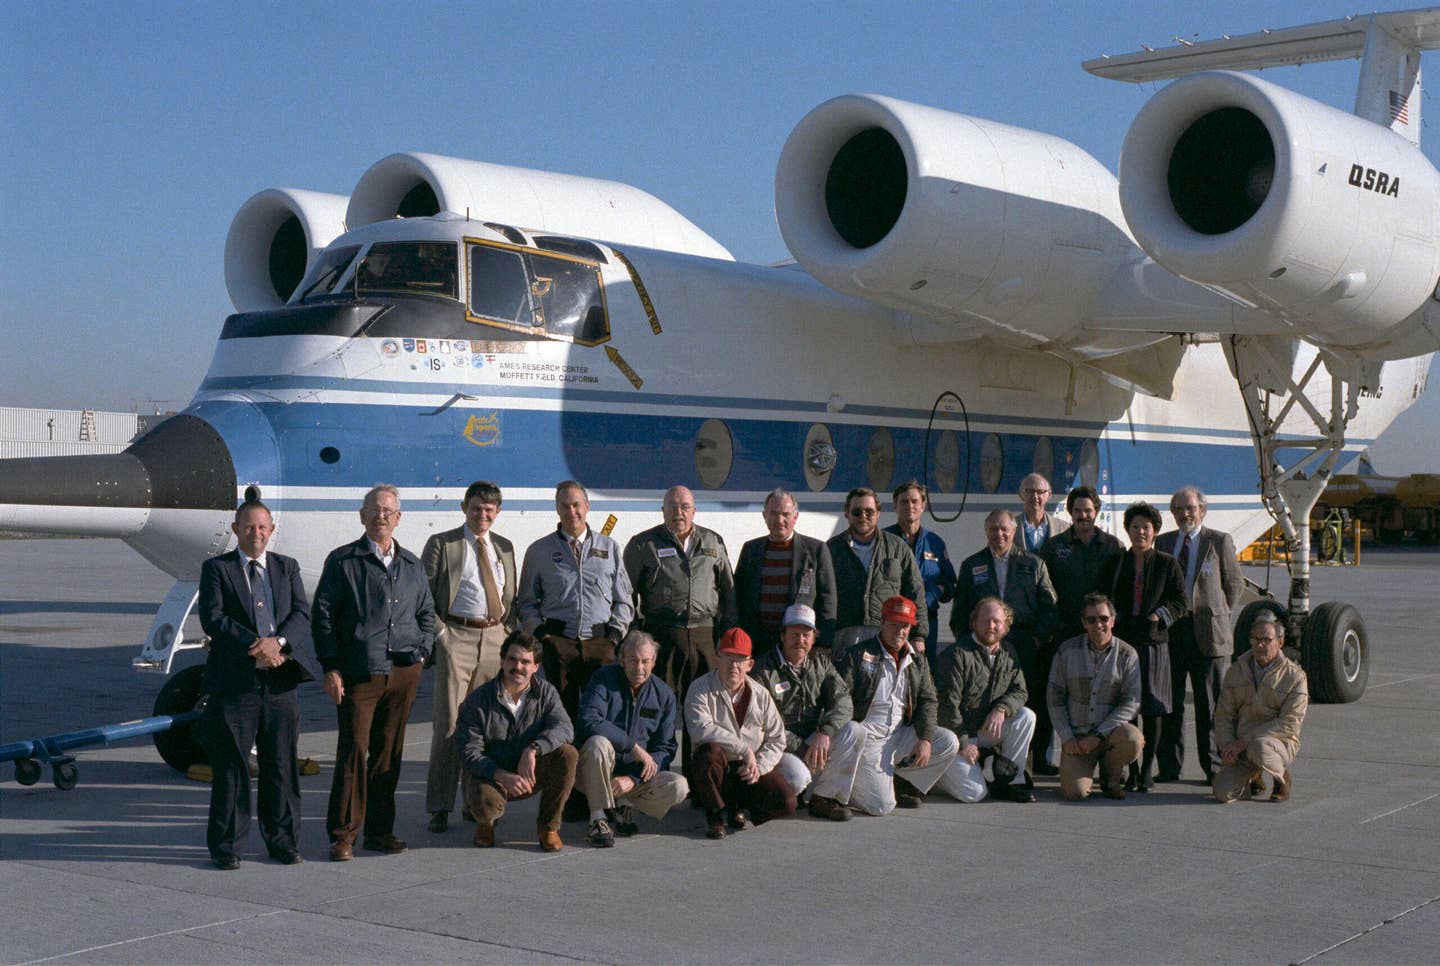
[(390, 348)]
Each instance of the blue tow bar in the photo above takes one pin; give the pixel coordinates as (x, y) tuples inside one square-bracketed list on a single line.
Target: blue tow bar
[(27, 755)]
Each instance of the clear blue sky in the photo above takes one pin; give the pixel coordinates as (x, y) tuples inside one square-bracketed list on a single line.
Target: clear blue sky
[(131, 132)]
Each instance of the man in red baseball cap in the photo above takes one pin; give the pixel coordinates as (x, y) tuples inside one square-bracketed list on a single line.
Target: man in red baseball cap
[(905, 751), (738, 738)]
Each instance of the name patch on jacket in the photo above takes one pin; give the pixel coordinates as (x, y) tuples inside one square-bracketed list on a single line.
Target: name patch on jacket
[(980, 574), (597, 552), (708, 552), (650, 713), (782, 686), (666, 552), (931, 555)]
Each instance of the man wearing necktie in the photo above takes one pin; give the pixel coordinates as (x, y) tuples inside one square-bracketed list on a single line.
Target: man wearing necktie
[(472, 579), (1201, 642), (253, 607)]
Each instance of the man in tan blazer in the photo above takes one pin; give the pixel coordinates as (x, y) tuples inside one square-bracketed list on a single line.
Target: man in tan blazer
[(472, 578), (1202, 642)]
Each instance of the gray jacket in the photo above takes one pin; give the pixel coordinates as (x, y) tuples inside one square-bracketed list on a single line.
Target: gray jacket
[(676, 589), (490, 738), (588, 599), (1085, 702), (860, 593), (970, 688)]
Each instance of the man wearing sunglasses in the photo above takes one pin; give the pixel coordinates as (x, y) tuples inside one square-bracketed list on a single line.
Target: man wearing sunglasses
[(871, 566)]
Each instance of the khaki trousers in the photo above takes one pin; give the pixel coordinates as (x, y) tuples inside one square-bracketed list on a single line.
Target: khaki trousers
[(1117, 750), (554, 777), (653, 798), (465, 658), (1260, 755)]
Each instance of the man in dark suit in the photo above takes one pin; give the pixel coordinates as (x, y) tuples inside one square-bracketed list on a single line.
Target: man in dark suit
[(781, 569), (1202, 642), (253, 607), (472, 579)]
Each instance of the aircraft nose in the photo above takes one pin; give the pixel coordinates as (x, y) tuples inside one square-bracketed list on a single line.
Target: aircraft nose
[(182, 464)]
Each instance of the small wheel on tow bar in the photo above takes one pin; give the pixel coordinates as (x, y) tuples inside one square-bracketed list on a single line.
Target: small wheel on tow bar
[(1335, 652), (179, 746), (65, 775), (27, 771)]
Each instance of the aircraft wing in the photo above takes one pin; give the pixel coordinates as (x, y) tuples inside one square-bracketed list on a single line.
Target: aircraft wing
[(1332, 40)]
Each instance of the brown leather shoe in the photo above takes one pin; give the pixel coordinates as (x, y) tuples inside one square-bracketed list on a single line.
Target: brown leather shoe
[(484, 835), (715, 825), (822, 807), (550, 841), (341, 852), (388, 844), (1281, 792)]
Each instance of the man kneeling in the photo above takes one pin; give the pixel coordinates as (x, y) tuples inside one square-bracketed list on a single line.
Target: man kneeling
[(738, 737), (513, 736), (1258, 717), (982, 699), (627, 735), (903, 752), (1094, 695), (814, 704)]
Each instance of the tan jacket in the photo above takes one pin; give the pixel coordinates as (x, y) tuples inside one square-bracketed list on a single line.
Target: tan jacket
[(444, 560), (710, 719), (1275, 710)]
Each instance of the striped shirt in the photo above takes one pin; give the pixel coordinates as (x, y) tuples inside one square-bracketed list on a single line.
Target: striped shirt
[(775, 583)]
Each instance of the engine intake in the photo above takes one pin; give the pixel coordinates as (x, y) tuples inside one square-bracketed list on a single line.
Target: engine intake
[(1310, 214), (273, 239)]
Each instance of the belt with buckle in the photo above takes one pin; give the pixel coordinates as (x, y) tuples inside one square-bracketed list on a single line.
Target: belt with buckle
[(474, 622)]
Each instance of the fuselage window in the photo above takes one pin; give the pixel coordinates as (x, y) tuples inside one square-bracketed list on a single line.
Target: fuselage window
[(326, 271), (992, 463), (415, 268), (549, 295)]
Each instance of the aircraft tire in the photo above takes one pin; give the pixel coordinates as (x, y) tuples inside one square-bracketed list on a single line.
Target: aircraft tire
[(65, 775), (1247, 617), (179, 746), (27, 771), (1335, 652)]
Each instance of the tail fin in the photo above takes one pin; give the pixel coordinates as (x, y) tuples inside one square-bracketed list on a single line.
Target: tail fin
[(1390, 43)]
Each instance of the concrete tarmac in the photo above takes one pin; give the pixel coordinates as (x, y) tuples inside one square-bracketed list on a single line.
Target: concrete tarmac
[(116, 870)]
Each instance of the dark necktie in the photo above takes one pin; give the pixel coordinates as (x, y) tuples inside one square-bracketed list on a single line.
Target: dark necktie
[(1185, 557), (264, 620)]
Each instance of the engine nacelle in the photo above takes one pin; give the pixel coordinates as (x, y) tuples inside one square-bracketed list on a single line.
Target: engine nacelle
[(273, 239), (1286, 204), (411, 185), (949, 216)]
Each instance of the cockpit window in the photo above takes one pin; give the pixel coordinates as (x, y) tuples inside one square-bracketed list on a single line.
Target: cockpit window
[(548, 295), (326, 271), (415, 268), (570, 246)]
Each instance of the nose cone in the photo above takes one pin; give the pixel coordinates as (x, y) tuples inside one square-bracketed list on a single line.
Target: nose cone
[(182, 464)]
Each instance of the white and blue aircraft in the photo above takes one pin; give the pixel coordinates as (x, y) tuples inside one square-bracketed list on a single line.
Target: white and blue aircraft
[(968, 302)]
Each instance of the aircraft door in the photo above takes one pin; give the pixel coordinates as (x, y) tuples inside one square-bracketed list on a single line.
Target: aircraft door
[(947, 457)]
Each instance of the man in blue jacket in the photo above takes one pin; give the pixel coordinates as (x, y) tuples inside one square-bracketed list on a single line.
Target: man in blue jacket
[(627, 737), (910, 500)]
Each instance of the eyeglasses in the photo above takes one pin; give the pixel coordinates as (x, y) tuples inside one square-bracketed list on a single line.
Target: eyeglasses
[(680, 506), (1097, 618), (383, 512), (1030, 491), (866, 512)]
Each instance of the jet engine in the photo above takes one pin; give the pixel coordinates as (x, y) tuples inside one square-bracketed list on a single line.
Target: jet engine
[(1285, 204), (949, 216), (413, 185), (273, 239)]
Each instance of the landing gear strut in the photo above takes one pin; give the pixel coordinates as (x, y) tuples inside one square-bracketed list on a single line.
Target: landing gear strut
[(1333, 646)]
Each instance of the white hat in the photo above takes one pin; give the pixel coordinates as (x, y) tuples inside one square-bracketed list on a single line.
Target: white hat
[(799, 614)]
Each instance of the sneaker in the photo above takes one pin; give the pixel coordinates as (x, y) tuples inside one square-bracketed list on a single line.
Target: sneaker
[(622, 819), (601, 835), (822, 807)]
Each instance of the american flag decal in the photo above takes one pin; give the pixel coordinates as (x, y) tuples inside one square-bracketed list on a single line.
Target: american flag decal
[(1399, 108)]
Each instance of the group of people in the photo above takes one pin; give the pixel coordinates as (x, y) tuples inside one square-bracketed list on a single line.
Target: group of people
[(810, 672)]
